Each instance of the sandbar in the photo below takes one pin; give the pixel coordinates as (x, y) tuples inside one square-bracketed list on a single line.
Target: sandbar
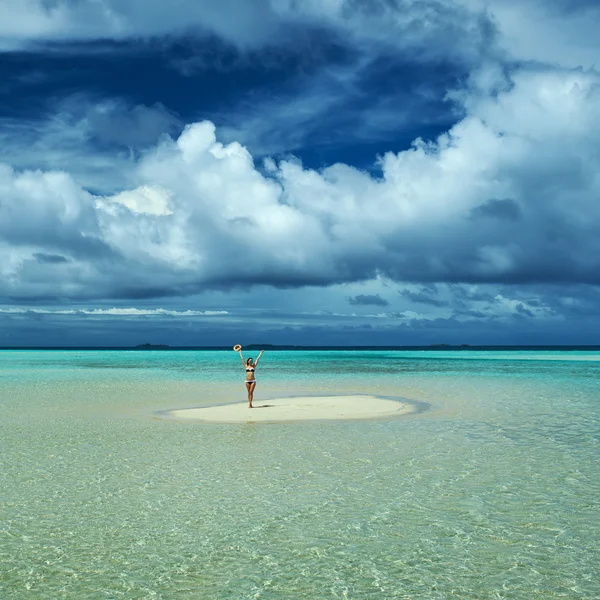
[(298, 408)]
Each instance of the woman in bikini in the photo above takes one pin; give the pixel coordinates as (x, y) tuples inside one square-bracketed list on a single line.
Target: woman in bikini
[(250, 366)]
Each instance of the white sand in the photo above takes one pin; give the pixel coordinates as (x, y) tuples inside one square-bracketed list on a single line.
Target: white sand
[(302, 408)]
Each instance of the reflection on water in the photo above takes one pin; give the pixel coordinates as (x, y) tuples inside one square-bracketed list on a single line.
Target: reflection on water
[(493, 493)]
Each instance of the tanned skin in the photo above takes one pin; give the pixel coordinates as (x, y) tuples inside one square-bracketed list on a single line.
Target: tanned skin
[(250, 376)]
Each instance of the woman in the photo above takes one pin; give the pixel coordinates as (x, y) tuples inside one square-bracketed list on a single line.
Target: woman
[(250, 366)]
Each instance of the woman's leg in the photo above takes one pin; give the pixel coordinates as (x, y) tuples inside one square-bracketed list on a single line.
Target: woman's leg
[(250, 387)]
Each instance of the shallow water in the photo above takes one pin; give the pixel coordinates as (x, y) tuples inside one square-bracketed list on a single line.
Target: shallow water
[(491, 493)]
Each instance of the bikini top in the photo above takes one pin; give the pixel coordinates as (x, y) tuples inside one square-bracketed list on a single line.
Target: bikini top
[(249, 369)]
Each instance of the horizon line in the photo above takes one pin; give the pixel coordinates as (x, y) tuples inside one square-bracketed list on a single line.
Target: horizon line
[(167, 347)]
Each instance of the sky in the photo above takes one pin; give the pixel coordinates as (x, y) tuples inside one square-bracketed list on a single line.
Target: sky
[(315, 172)]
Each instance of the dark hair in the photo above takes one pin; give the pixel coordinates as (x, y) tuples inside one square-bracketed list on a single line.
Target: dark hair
[(249, 359)]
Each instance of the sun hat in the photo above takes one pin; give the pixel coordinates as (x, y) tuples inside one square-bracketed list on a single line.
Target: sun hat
[(237, 347)]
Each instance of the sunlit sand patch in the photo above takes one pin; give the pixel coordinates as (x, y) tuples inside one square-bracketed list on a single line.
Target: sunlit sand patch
[(299, 408)]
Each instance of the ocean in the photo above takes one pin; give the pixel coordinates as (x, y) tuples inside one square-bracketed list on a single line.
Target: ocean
[(492, 490)]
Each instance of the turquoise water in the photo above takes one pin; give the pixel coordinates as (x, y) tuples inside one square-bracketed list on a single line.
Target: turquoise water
[(493, 492)]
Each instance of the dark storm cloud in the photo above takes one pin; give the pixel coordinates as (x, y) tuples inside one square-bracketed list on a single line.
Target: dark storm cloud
[(576, 302), (50, 258), (523, 311), (512, 325), (462, 294), (368, 300), (427, 295), (475, 314)]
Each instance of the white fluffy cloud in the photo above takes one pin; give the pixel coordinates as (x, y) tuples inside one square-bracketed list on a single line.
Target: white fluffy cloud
[(118, 312), (557, 32), (509, 194)]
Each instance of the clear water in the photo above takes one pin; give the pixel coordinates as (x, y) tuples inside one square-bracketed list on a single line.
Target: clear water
[(494, 492)]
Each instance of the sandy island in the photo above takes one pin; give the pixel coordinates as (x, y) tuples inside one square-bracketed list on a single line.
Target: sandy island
[(299, 408)]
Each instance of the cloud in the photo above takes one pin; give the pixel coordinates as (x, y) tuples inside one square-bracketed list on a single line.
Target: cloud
[(567, 315), (261, 23), (95, 140), (115, 122), (521, 309), (368, 300), (372, 68), (474, 314), (373, 96), (384, 69), (498, 209), (427, 295), (463, 295), (104, 198), (27, 21), (150, 200), (202, 216), (49, 258), (114, 312), (554, 32), (73, 330)]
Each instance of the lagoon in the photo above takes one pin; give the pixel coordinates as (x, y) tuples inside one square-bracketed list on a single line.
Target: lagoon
[(491, 492)]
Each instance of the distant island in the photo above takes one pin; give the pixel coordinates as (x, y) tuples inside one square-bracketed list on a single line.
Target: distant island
[(450, 346), (152, 346), (259, 347)]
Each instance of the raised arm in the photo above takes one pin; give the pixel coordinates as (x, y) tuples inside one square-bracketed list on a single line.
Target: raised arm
[(261, 353), (242, 357)]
